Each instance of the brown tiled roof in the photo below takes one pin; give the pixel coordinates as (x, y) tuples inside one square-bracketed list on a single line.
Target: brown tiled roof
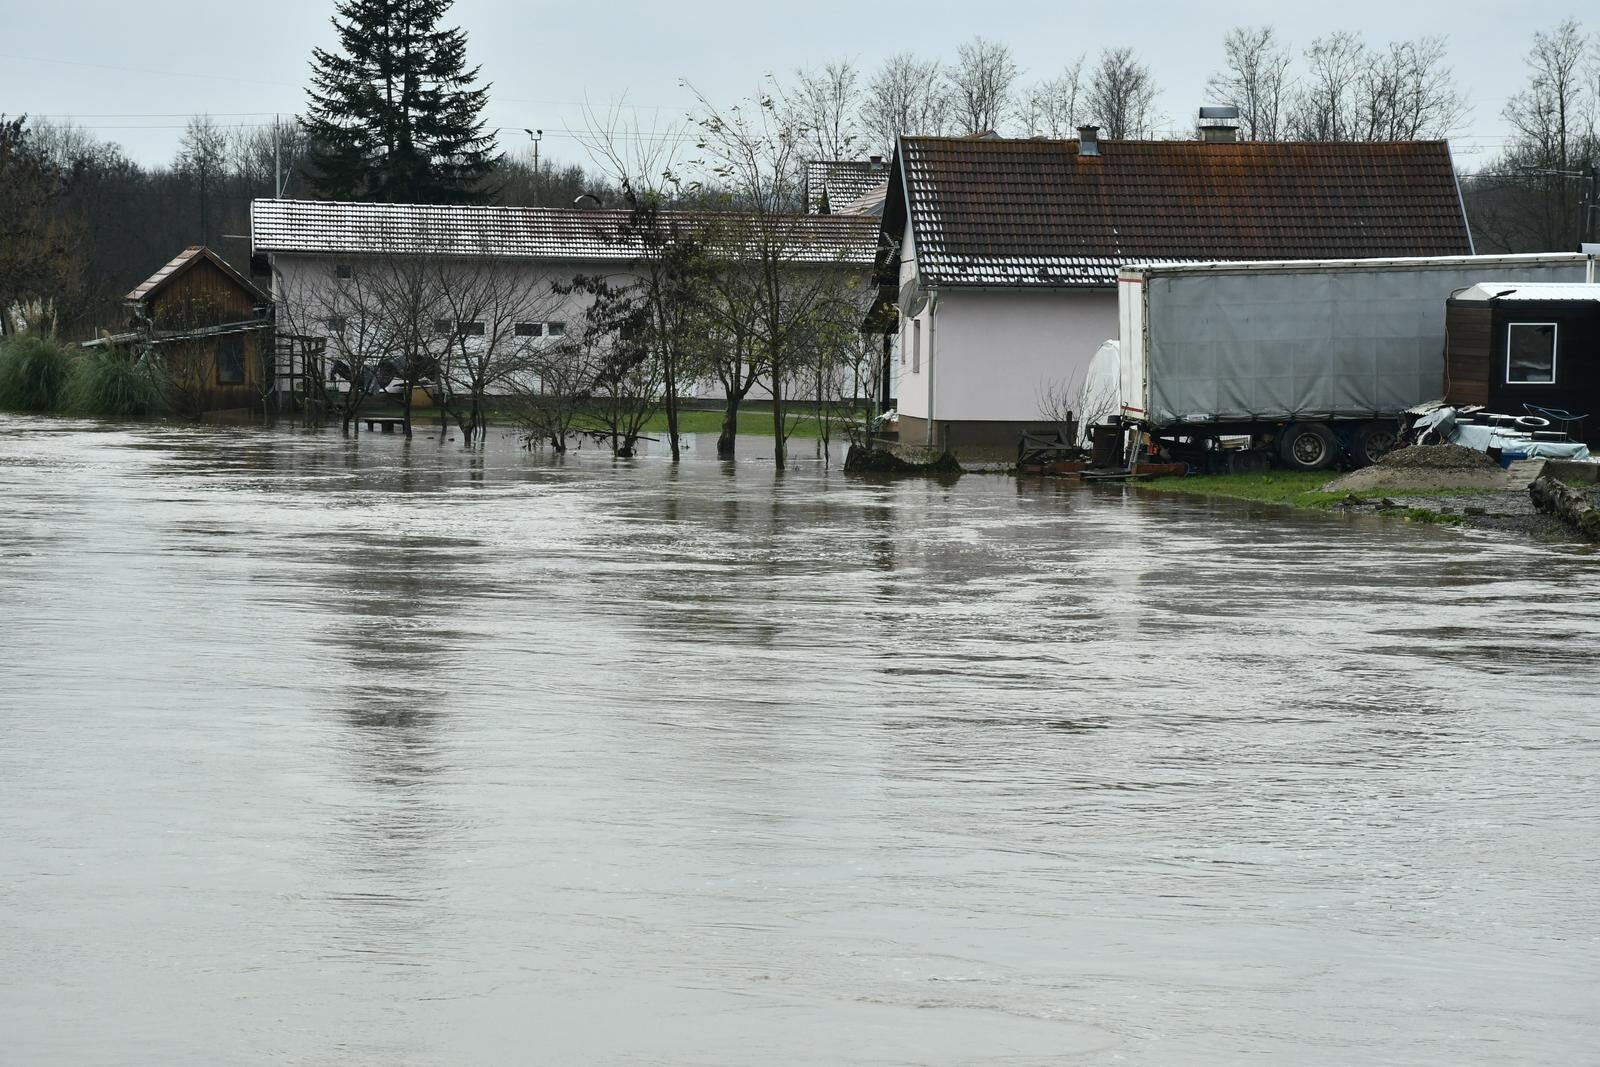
[(182, 262), (315, 227), (1037, 213)]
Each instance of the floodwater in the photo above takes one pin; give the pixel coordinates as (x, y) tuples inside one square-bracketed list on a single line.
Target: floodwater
[(327, 751)]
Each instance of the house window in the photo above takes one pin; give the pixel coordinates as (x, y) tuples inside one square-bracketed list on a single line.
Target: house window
[(529, 329), (441, 327), (555, 329), (336, 323), (1530, 353), (230, 361), (916, 346), (343, 271), (470, 329)]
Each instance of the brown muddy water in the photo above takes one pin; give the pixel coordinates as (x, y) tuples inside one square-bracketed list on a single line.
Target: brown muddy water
[(324, 751)]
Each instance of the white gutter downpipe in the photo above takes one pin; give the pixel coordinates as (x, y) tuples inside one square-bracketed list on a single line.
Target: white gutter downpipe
[(933, 317)]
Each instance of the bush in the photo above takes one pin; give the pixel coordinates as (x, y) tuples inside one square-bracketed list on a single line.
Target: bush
[(114, 383), (33, 374)]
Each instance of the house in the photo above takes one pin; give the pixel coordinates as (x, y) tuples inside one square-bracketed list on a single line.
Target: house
[(1527, 349), (998, 258), (210, 326), (320, 256), (843, 186)]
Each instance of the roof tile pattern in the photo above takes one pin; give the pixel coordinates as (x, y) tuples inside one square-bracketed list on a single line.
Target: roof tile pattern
[(1036, 213), (554, 234), (841, 181)]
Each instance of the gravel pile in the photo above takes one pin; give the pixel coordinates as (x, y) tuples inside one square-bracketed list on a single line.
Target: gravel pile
[(1438, 458)]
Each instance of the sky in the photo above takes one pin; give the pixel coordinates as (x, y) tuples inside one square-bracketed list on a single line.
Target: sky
[(132, 73)]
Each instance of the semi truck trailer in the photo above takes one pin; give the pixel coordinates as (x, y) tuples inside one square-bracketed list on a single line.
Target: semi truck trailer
[(1306, 363)]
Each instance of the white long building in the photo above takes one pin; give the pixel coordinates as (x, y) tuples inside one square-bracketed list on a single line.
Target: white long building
[(318, 254)]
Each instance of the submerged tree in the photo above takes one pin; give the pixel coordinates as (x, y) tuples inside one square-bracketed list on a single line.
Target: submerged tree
[(396, 114)]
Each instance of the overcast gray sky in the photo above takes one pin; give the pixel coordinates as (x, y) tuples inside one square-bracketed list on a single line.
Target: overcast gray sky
[(132, 72)]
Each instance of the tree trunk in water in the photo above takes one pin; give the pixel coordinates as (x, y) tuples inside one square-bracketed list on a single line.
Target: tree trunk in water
[(778, 448), (672, 409), (728, 439)]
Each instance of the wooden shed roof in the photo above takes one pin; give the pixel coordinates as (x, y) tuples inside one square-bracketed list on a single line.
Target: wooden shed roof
[(182, 262)]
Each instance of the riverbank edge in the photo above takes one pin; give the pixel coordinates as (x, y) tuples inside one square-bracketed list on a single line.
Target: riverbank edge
[(1304, 491)]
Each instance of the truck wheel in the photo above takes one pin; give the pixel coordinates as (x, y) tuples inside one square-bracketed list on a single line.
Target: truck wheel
[(1307, 446), (1373, 441)]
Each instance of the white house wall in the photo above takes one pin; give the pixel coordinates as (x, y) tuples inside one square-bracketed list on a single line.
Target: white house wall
[(995, 354), (302, 285)]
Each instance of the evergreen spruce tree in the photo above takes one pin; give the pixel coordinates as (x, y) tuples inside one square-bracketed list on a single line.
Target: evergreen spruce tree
[(395, 116)]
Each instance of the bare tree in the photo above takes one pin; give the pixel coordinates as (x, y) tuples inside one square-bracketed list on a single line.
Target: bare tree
[(613, 344), (980, 86), (906, 96), (348, 313), (826, 106), (1122, 95), (1055, 107), (1327, 106), (668, 266), (1408, 93), (202, 158), (1530, 199), (1255, 79), (493, 316)]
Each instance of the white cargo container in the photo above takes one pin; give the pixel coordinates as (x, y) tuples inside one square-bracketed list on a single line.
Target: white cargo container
[(1314, 359)]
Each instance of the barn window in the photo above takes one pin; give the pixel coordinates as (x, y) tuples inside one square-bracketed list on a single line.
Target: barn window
[(343, 271), (555, 329), (530, 329), (230, 361), (1530, 353)]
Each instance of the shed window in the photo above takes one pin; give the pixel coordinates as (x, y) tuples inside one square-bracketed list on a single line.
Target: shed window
[(1531, 353), (555, 329), (530, 329), (230, 361)]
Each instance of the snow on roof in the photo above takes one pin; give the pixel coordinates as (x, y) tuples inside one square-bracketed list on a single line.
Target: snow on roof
[(558, 234)]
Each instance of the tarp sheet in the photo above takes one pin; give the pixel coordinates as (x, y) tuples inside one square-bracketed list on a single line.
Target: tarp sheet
[(1276, 345)]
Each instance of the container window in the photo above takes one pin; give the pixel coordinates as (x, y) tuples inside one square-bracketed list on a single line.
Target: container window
[(230, 361), (1530, 353), (529, 329)]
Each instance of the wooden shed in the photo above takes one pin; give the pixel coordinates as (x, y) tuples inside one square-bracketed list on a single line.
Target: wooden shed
[(211, 328), (1514, 347)]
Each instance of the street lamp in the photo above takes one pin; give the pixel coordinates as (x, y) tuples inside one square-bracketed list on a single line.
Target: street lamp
[(537, 136)]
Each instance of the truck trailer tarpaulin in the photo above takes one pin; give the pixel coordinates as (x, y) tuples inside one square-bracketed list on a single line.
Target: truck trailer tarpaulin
[(1256, 343)]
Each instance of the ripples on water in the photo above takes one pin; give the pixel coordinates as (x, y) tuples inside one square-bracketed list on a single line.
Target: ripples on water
[(320, 750)]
